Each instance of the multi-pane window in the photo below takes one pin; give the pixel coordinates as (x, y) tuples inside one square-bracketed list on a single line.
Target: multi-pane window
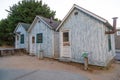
[(22, 39), (65, 37), (109, 42), (39, 38)]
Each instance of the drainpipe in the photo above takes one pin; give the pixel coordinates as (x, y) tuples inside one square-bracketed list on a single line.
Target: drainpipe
[(114, 26)]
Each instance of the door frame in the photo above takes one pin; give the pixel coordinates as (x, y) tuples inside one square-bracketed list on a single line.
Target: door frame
[(17, 44), (61, 43)]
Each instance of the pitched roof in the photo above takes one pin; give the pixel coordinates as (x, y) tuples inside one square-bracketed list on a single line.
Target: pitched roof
[(24, 25), (87, 12), (52, 25)]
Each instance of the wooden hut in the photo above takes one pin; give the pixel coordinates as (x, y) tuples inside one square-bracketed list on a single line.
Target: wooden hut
[(43, 37), (85, 34), (21, 36)]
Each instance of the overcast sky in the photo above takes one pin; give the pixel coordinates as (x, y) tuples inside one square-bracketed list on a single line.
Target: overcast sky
[(104, 8)]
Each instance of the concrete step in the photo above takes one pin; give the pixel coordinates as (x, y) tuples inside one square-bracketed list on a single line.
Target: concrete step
[(64, 59)]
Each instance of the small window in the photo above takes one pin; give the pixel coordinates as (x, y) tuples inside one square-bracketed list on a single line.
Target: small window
[(118, 33), (33, 39), (22, 39), (109, 42), (65, 37), (39, 38)]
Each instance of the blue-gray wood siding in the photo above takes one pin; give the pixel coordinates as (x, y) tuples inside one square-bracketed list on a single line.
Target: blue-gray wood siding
[(88, 34), (48, 39), (17, 41)]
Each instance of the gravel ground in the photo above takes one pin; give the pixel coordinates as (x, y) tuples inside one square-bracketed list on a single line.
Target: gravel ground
[(117, 57), (19, 74), (33, 63)]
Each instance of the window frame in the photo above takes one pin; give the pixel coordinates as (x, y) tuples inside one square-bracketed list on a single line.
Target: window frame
[(109, 42), (22, 38), (66, 43), (39, 38)]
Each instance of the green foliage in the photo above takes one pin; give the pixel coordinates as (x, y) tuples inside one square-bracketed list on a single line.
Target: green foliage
[(25, 11)]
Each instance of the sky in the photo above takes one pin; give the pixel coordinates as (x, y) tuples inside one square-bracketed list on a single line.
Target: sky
[(104, 8)]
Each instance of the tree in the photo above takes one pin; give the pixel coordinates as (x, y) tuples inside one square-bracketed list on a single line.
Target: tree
[(25, 11)]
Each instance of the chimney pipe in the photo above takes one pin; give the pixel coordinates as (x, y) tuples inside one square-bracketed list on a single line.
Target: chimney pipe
[(51, 20), (114, 23), (114, 26)]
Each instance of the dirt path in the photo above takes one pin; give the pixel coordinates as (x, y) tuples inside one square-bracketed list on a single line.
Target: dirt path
[(32, 63)]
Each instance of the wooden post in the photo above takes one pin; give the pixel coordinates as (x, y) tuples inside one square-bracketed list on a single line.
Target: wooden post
[(40, 54), (85, 63)]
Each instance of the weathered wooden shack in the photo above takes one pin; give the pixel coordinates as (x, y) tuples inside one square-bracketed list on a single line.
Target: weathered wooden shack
[(21, 35), (43, 37), (117, 40), (83, 33)]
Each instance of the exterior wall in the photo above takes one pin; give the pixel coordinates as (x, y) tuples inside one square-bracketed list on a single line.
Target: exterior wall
[(88, 35), (56, 45), (117, 41), (109, 54), (17, 42), (47, 45)]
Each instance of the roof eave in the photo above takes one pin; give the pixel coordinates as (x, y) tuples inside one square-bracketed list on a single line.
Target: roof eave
[(108, 25), (84, 10), (16, 27)]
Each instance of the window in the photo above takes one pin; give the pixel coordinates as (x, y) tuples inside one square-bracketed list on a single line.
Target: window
[(118, 32), (22, 39), (65, 36), (66, 39), (33, 39), (39, 38), (109, 42)]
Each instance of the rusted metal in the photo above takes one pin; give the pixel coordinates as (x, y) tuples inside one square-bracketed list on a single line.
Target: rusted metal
[(114, 26)]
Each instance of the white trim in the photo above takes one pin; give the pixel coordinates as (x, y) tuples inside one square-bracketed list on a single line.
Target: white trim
[(84, 10), (61, 43), (17, 27), (35, 21), (44, 22), (53, 44)]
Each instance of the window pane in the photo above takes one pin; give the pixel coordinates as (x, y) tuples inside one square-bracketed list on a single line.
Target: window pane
[(39, 38), (65, 37), (33, 39), (22, 39), (109, 42)]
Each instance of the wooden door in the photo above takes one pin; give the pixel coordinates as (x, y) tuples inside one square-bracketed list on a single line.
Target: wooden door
[(33, 47), (65, 44), (17, 41)]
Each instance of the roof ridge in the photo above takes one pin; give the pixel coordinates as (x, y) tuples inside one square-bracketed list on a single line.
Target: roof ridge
[(23, 23), (75, 5), (85, 11)]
